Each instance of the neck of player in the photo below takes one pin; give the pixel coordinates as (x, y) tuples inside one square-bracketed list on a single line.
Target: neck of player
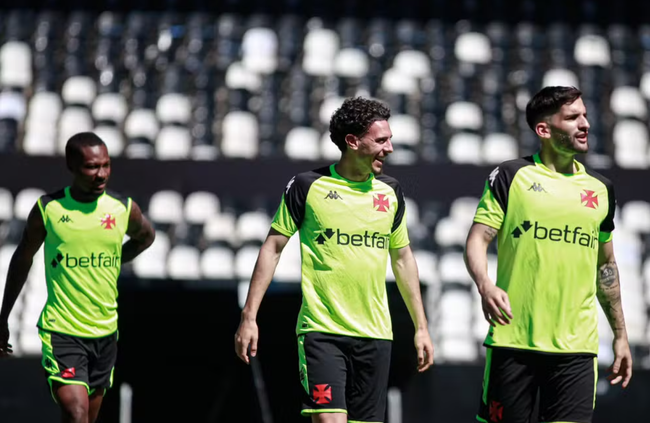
[(557, 161), (81, 196), (351, 168)]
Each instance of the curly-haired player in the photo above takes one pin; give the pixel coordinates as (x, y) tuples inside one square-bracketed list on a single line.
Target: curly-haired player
[(350, 218)]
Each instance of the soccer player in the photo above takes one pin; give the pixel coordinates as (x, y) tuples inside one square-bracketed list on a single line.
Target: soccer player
[(554, 220), (83, 228), (350, 218)]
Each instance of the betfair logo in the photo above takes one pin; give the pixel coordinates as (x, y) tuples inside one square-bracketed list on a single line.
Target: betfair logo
[(568, 235), (93, 261), (333, 195), (367, 239), (65, 219), (536, 187)]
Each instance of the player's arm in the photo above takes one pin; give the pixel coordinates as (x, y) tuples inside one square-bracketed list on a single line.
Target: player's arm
[(608, 291), (267, 261), (140, 232), (496, 305), (408, 282), (19, 266)]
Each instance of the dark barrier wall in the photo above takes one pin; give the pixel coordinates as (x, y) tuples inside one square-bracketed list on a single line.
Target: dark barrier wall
[(176, 351), (245, 179), (514, 11)]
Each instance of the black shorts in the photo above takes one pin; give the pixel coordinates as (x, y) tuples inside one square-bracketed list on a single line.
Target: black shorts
[(343, 374), (73, 360), (566, 384)]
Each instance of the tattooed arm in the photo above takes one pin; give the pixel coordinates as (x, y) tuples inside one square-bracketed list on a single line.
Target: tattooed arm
[(608, 291), (496, 305)]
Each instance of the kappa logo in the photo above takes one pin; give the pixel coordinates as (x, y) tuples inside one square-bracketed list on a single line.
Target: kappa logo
[(286, 190), (65, 219), (333, 195), (322, 394), (48, 363), (493, 176), (536, 187)]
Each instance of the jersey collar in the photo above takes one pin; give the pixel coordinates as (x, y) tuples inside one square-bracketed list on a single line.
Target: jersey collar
[(337, 176), (89, 205), (580, 169)]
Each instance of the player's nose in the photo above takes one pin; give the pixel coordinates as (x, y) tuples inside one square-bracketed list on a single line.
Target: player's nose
[(103, 173), (388, 147)]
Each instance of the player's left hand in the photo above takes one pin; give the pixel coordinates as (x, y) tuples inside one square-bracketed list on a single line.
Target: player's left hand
[(424, 348), (621, 369)]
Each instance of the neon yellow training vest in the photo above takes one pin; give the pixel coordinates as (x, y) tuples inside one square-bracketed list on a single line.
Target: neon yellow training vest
[(83, 256)]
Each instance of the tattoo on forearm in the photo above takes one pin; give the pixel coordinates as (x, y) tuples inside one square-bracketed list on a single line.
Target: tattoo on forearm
[(609, 296), (490, 233)]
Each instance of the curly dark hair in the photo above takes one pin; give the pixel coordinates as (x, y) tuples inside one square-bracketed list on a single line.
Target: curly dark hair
[(355, 117), (548, 101)]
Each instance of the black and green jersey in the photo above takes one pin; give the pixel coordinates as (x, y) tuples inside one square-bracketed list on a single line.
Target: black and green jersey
[(550, 225), (346, 229), (83, 249)]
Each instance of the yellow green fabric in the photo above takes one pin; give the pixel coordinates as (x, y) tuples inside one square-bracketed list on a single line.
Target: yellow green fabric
[(549, 228), (83, 249), (346, 229), (324, 410)]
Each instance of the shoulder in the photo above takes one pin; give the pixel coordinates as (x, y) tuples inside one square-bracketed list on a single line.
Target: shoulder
[(53, 196), (506, 171), (123, 199), (516, 164), (604, 180), (390, 181), (302, 181)]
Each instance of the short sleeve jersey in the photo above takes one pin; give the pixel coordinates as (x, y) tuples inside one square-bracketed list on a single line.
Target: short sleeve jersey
[(346, 229), (549, 228), (83, 257)]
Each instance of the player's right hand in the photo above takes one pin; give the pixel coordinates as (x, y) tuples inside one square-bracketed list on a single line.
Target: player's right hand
[(5, 346), (496, 306), (246, 336)]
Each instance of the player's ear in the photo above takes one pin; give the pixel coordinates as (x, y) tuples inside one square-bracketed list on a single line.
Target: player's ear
[(543, 130), (352, 141)]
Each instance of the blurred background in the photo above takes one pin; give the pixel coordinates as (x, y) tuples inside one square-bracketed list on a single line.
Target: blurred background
[(209, 108)]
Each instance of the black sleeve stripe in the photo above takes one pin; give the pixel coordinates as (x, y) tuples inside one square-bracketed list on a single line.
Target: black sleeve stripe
[(295, 194), (607, 225), (119, 197), (502, 176), (57, 195), (401, 204)]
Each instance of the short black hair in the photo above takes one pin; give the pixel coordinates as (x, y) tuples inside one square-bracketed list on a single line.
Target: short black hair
[(548, 101), (77, 142), (355, 117)]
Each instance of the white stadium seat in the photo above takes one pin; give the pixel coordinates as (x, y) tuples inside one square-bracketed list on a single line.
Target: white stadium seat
[(79, 90)]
